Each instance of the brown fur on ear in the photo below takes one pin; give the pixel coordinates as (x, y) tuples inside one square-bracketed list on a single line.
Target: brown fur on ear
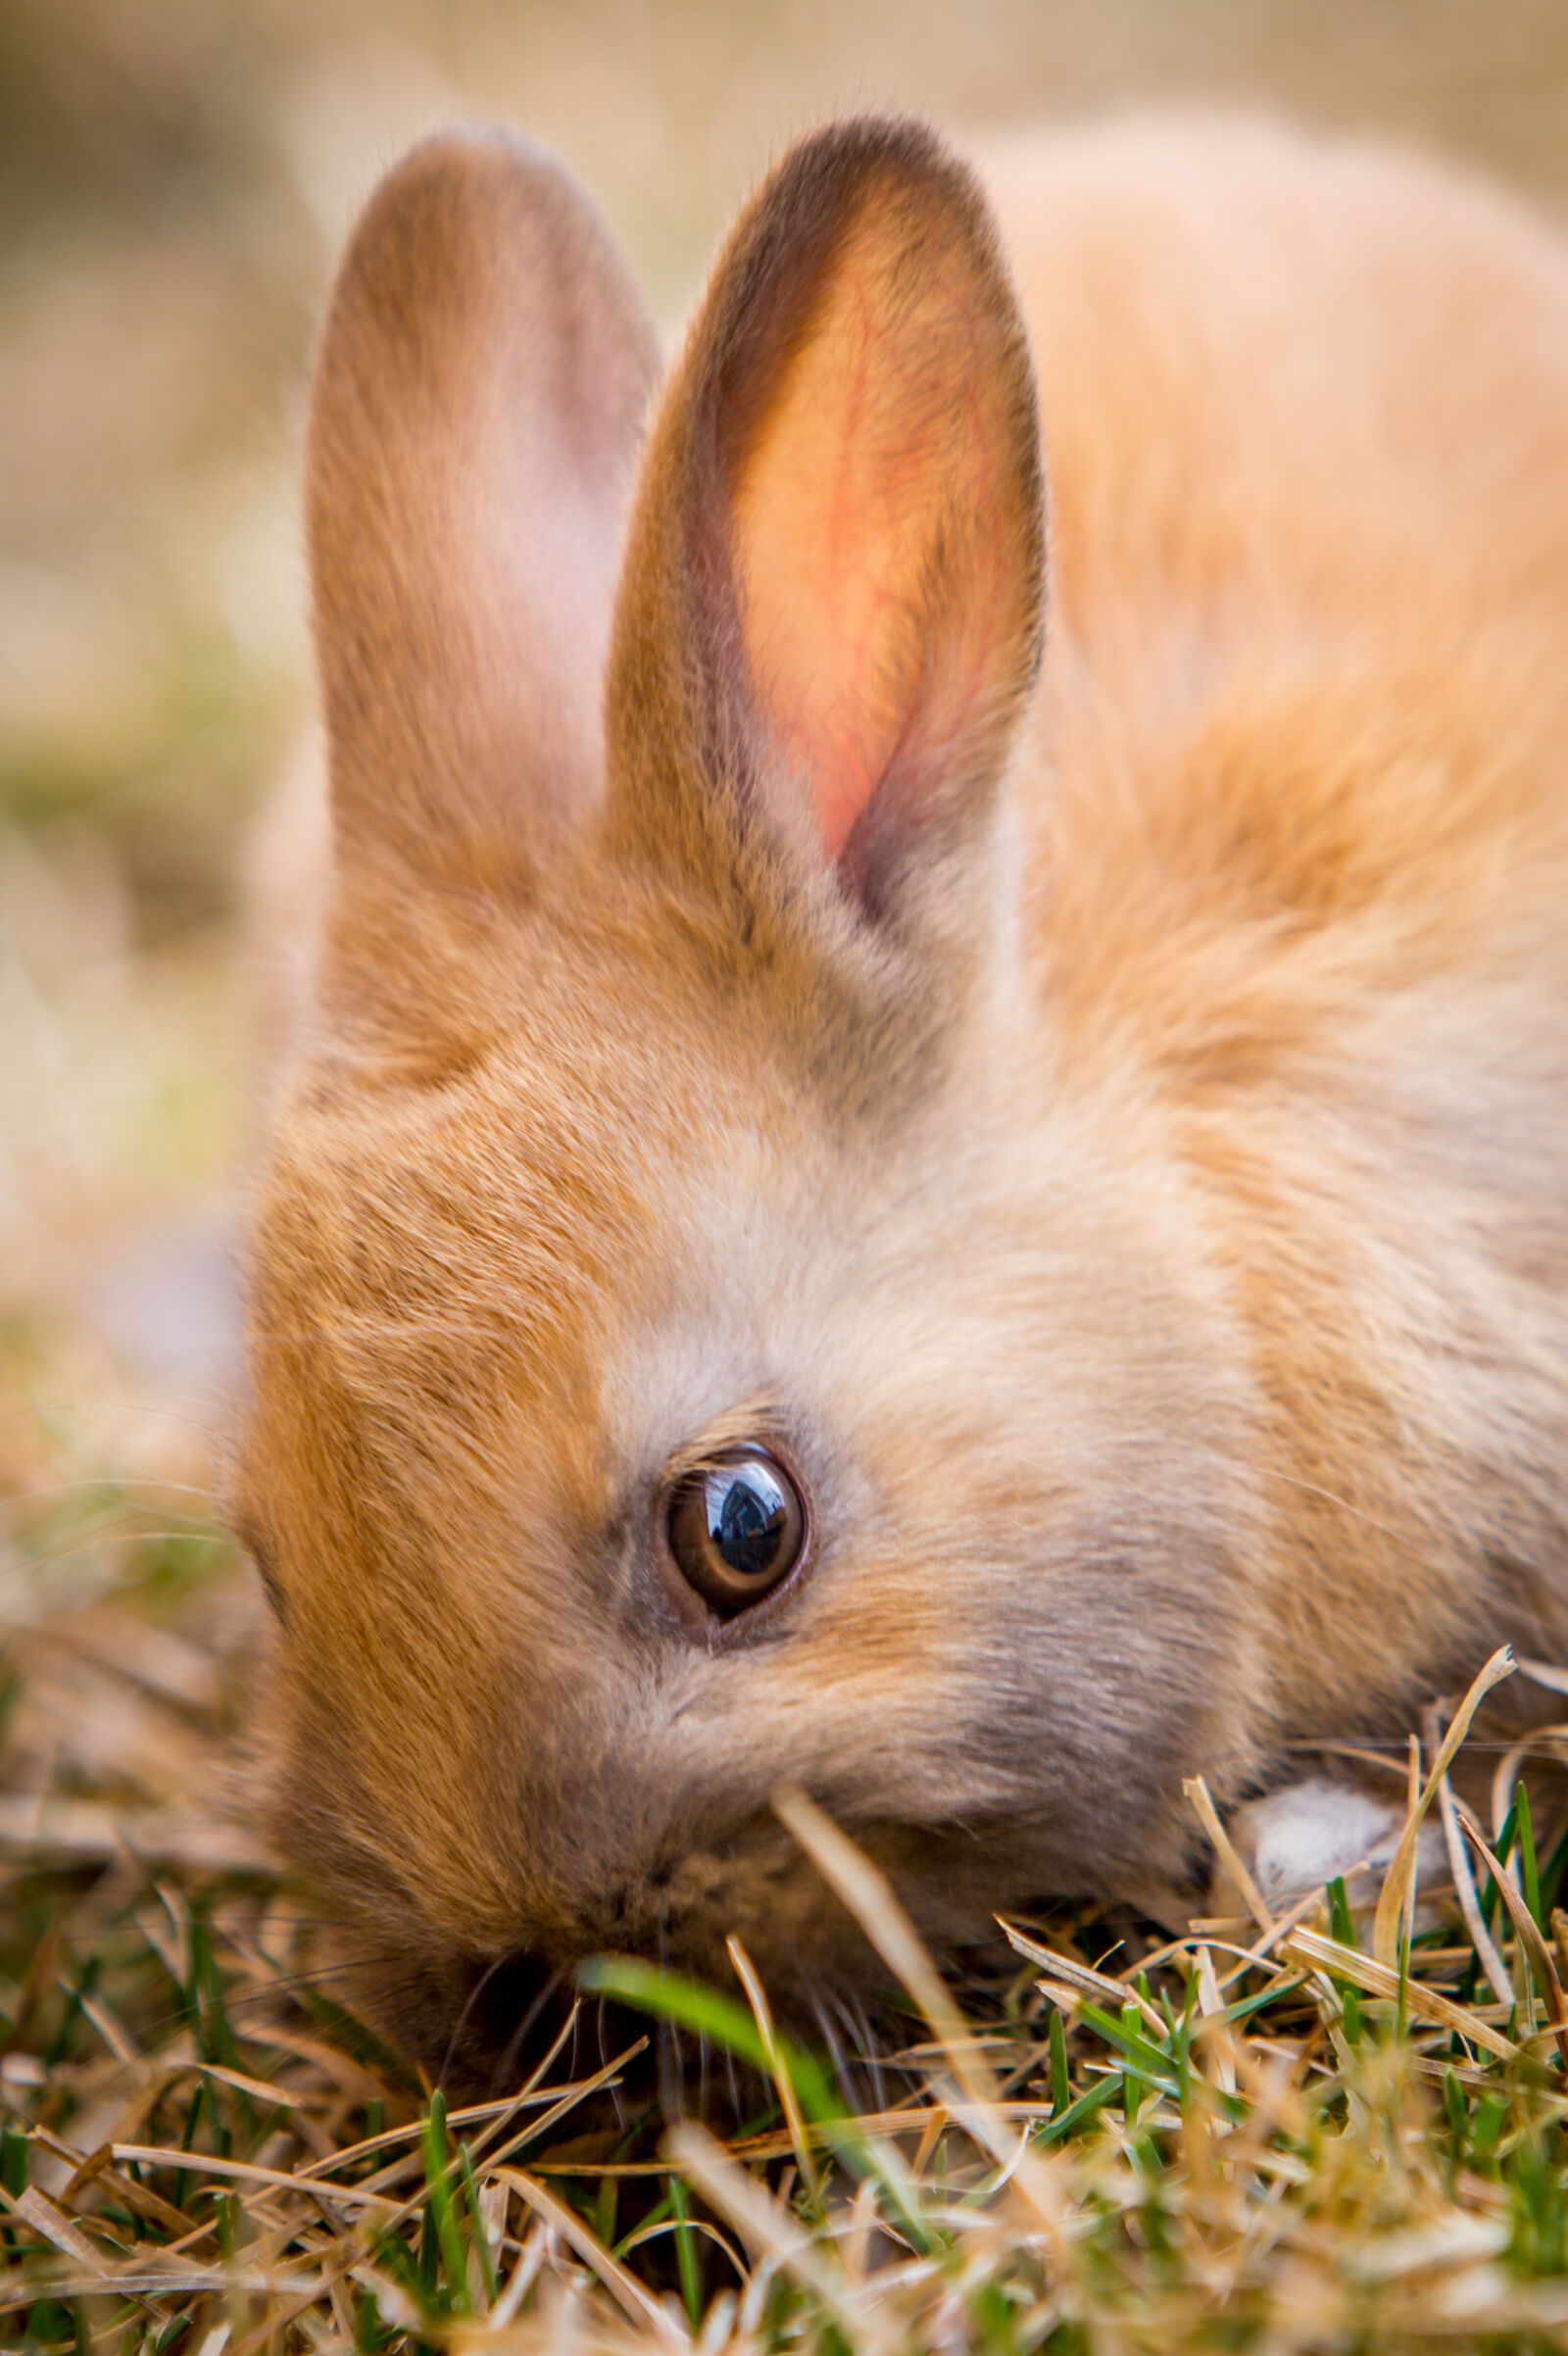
[(477, 414), (834, 589)]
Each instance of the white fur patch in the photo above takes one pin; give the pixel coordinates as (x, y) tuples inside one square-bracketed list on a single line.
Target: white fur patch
[(1295, 1839)]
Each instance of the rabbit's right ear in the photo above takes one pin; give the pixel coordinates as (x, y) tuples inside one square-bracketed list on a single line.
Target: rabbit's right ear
[(832, 610), (474, 428)]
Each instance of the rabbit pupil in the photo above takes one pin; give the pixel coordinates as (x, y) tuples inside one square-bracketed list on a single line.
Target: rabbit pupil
[(747, 1519), (736, 1529)]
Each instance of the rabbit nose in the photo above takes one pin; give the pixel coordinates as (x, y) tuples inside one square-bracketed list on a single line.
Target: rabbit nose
[(516, 2003)]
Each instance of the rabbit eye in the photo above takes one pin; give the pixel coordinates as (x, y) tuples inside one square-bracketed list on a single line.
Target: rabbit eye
[(736, 1529)]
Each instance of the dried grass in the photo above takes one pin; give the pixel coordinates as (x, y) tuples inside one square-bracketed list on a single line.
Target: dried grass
[(1270, 2142)]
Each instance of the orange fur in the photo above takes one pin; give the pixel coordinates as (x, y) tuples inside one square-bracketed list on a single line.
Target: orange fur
[(1110, 1131)]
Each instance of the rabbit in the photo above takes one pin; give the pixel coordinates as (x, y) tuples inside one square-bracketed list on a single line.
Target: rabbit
[(924, 1156)]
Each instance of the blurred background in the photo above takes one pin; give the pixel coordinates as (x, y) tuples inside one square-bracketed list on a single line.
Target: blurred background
[(175, 177)]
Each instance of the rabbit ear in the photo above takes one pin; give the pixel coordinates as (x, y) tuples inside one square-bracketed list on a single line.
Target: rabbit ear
[(475, 427), (835, 579)]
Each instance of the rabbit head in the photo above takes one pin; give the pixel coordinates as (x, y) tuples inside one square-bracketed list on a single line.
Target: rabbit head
[(692, 1349)]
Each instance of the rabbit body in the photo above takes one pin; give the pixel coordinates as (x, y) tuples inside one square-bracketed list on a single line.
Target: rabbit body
[(1102, 1130)]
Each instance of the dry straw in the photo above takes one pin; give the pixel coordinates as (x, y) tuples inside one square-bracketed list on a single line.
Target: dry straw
[(1295, 2131)]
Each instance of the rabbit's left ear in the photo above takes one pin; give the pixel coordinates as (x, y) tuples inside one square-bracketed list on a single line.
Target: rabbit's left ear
[(476, 423), (831, 612)]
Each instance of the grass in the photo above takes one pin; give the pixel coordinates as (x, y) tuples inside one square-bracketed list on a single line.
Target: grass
[(1259, 2135)]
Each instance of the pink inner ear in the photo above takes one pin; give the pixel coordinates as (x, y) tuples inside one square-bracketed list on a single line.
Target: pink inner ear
[(877, 562)]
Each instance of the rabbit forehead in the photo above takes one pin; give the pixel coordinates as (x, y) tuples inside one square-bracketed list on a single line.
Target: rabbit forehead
[(603, 1246), (656, 1115)]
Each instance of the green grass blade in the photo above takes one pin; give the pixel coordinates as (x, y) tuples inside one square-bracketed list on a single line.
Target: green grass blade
[(481, 2240), (686, 2257), (1341, 1926), (729, 2023), (438, 2188), (1077, 2114), (1527, 1853), (1060, 2083)]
